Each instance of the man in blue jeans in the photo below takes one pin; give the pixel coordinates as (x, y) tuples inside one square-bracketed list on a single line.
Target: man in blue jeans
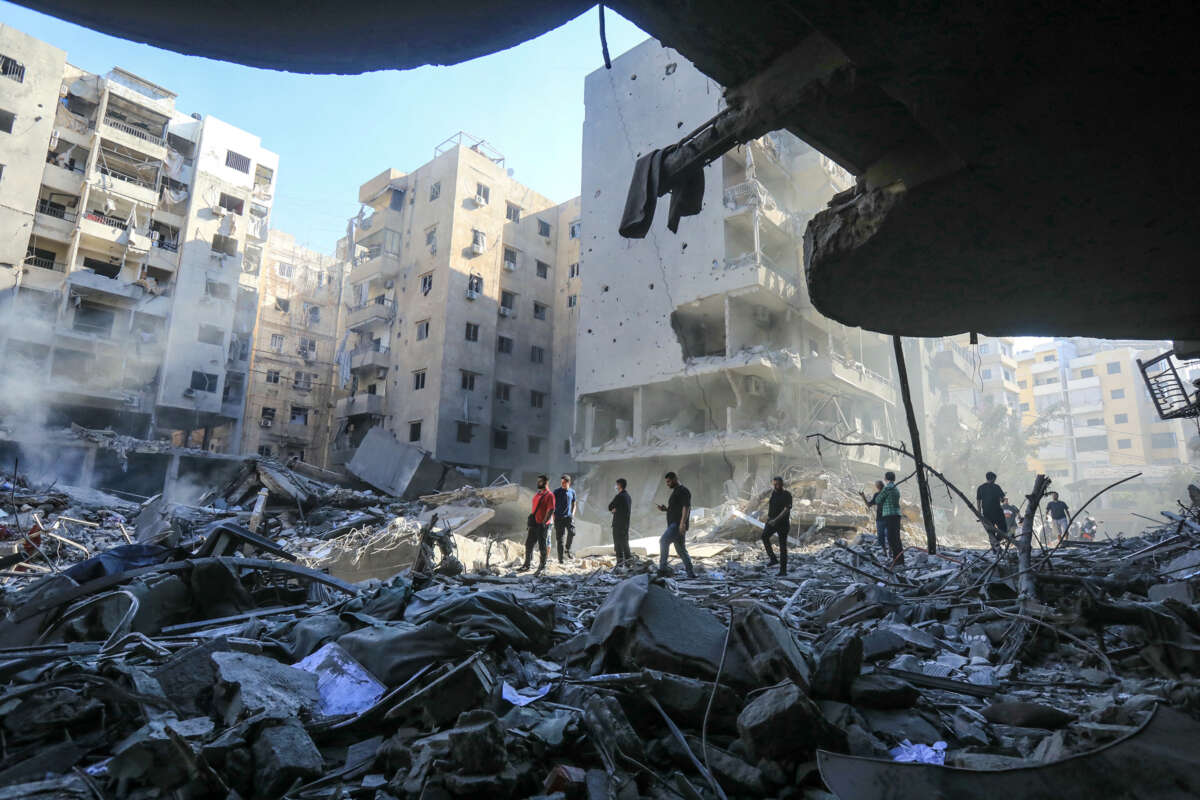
[(564, 517), (679, 511), (880, 532)]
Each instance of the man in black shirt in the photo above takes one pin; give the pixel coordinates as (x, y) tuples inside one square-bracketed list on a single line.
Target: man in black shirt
[(990, 499), (621, 508), (1060, 516), (679, 511), (779, 510)]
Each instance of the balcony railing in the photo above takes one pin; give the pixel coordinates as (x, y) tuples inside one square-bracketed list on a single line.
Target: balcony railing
[(104, 219), (12, 70), (135, 131), (170, 247), (46, 263), (121, 176), (78, 166), (92, 328), (52, 210)]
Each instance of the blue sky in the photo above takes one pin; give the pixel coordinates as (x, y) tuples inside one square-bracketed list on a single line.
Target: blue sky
[(334, 132)]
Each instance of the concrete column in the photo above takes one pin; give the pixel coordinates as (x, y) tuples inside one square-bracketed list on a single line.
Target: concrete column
[(172, 477), (87, 472), (589, 424), (639, 416)]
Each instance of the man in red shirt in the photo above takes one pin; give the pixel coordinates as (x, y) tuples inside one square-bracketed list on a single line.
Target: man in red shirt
[(539, 519)]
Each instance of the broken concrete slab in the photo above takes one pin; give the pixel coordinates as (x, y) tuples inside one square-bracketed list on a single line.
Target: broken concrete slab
[(838, 665), (883, 691), (782, 723), (401, 469), (250, 684), (283, 753)]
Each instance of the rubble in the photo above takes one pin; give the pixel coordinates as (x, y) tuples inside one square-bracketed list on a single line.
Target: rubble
[(212, 661)]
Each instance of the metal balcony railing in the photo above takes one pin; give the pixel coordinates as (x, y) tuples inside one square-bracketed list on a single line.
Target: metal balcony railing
[(122, 176), (77, 167), (1171, 397), (104, 219), (52, 210), (95, 329), (135, 131), (171, 247), (46, 263)]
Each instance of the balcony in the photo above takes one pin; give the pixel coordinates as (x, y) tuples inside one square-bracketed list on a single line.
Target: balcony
[(293, 431), (376, 265), (45, 263), (371, 312), (752, 194), (952, 366), (111, 230), (134, 137), (840, 374), (62, 179), (1083, 383), (89, 283), (756, 269), (370, 359), (360, 404), (127, 185)]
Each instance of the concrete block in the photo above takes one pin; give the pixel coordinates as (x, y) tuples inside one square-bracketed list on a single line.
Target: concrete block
[(281, 755)]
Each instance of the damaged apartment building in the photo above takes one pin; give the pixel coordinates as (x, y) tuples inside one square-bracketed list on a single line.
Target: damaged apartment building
[(699, 351), (289, 402), (460, 316), (130, 233)]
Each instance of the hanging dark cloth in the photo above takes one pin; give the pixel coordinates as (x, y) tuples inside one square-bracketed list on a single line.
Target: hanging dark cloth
[(646, 187)]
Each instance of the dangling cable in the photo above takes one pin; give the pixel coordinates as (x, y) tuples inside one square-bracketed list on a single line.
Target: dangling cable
[(604, 40)]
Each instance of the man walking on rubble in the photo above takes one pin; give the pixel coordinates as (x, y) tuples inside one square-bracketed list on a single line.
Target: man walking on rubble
[(679, 511), (779, 512), (880, 534), (1060, 516), (1012, 515), (564, 516), (539, 519), (889, 509), (622, 509), (989, 497)]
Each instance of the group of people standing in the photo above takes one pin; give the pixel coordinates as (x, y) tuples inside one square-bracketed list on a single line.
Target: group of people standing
[(886, 502)]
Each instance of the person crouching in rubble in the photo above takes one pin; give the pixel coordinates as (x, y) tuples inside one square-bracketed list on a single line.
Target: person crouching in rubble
[(679, 511), (889, 509), (779, 510), (880, 533), (539, 520)]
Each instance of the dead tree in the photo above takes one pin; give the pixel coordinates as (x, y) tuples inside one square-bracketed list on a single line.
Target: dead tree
[(914, 432), (1026, 582)]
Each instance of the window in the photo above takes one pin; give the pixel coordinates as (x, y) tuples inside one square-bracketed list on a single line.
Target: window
[(211, 334), (299, 415), (539, 310), (468, 380), (1087, 372), (1117, 394), (543, 228), (1160, 440), (507, 300), (503, 391), (414, 430), (396, 201), (1008, 375), (986, 373), (391, 242), (512, 213), (422, 330), (231, 203), (307, 348), (464, 432), (435, 191), (1113, 367), (264, 450), (272, 376), (1124, 444), (1091, 444), (535, 444), (1051, 357), (216, 289), (478, 241), (418, 380), (472, 332), (12, 69), (237, 161), (574, 229), (277, 342), (572, 300), (537, 399), (283, 305), (1095, 422), (500, 439), (543, 269), (1022, 384), (537, 355), (504, 345), (985, 348), (574, 270), (1120, 419), (268, 413), (427, 283), (566, 447), (314, 313), (204, 381), (1024, 406), (7, 120), (510, 259), (431, 238), (482, 194), (224, 244), (475, 284), (303, 381)]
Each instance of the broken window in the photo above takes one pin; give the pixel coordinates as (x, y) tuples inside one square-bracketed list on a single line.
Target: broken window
[(427, 283), (482, 194), (303, 381), (235, 383), (237, 161), (512, 213), (7, 119), (422, 330), (264, 450), (216, 289), (539, 310), (435, 191), (468, 380), (211, 334), (537, 355), (272, 376), (510, 259), (396, 201), (478, 242), (268, 413), (418, 380), (204, 381), (537, 399), (231, 203), (574, 230), (299, 415), (102, 267), (543, 269), (543, 228), (277, 342), (535, 444), (93, 319), (507, 299), (313, 312), (414, 430), (472, 332), (431, 238), (12, 69), (504, 345), (503, 391), (224, 244), (464, 432), (475, 284), (308, 348), (500, 439), (572, 300)]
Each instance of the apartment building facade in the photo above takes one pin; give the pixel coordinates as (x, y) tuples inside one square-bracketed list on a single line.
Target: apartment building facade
[(290, 388), (135, 231), (699, 351), (968, 381), (458, 310)]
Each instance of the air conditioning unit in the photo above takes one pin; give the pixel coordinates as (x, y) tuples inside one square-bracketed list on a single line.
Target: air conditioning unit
[(755, 386), (511, 266), (477, 248), (762, 316), (219, 211), (480, 200), (506, 312), (189, 392), (472, 294), (265, 423)]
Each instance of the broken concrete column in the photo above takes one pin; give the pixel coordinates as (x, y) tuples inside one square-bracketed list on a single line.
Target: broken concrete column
[(589, 424), (639, 416), (281, 755)]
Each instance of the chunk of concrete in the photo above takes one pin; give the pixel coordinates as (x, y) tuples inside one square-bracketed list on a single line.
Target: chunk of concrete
[(883, 691), (782, 723), (837, 666), (1177, 590), (769, 646), (187, 678), (282, 754), (477, 742), (250, 684), (1027, 715)]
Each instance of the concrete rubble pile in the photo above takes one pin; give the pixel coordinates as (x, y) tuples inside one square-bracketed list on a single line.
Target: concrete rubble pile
[(211, 662)]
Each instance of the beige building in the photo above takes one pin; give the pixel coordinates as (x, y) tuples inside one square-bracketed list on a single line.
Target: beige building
[(458, 308), (968, 380), (289, 400), (131, 232), (700, 351)]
